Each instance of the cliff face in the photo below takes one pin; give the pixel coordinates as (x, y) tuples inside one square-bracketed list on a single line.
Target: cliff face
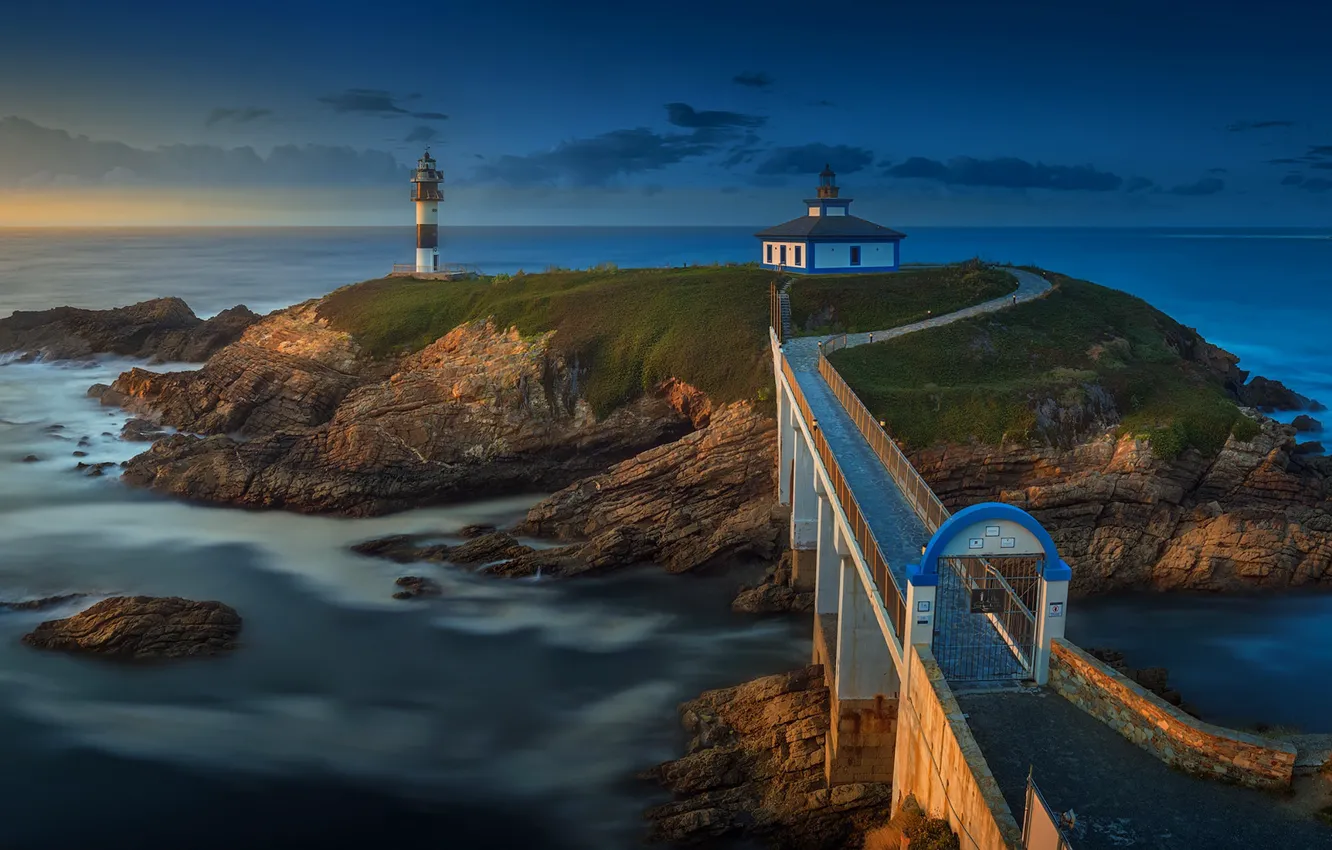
[(1257, 515), (163, 329), (294, 417)]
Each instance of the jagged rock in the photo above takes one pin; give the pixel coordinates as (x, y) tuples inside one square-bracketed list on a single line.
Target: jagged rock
[(30, 459), (561, 561), (478, 411), (79, 454), (1266, 394), (754, 768), (162, 327), (774, 594), (496, 546), (476, 530), (1255, 515), (1305, 423), (143, 627), (42, 602), (402, 548), (417, 586), (141, 431), (1312, 447), (701, 499)]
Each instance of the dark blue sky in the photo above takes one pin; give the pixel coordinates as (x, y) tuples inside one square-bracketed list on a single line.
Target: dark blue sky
[(949, 112)]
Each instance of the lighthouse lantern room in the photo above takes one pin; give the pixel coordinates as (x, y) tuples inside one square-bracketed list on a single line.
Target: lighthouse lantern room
[(427, 195)]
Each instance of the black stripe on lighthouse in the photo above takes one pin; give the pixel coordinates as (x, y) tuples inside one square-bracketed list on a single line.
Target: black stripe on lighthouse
[(427, 235)]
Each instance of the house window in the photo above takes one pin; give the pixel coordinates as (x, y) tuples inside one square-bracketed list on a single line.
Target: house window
[(797, 256), (769, 247), (855, 255), (783, 254)]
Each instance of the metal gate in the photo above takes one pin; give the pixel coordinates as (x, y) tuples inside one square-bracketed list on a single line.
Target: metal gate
[(985, 627)]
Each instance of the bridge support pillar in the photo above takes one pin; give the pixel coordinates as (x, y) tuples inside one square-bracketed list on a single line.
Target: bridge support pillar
[(1050, 619), (786, 440), (862, 736), (804, 518), (828, 581)]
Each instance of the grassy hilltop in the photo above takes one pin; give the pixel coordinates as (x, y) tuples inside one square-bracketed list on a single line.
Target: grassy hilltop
[(1083, 357), (632, 328)]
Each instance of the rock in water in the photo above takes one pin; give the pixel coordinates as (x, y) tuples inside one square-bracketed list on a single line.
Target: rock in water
[(164, 328), (416, 586), (488, 548), (141, 627), (1305, 423), (755, 767)]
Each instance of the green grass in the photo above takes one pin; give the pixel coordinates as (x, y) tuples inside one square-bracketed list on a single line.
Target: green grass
[(855, 303), (631, 329), (1052, 369)]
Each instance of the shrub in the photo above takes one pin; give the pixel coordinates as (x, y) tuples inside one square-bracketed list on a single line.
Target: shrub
[(924, 832)]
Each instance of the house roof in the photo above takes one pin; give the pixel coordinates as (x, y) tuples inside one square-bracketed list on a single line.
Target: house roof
[(808, 226)]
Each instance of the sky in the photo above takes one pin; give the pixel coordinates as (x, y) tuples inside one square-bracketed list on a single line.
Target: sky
[(950, 112)]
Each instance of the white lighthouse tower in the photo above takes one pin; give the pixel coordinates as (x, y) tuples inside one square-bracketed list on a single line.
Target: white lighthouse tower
[(427, 195)]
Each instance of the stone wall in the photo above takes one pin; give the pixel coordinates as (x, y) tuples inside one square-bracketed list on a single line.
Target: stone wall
[(940, 763), (1174, 737)]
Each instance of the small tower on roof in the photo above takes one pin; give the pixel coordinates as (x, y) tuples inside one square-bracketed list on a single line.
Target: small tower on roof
[(427, 195), (828, 239)]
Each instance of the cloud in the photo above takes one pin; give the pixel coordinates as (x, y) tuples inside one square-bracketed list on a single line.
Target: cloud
[(684, 115), (375, 102), (1245, 126), (422, 134), (810, 159), (1205, 186), (1137, 184), (1284, 161), (1316, 184), (1218, 171), (753, 79), (821, 103), (243, 115), (1007, 173), (1322, 166), (597, 160), (1320, 150), (31, 154)]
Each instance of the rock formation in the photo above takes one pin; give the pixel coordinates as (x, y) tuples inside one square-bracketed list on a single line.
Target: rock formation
[(292, 416), (142, 627), (163, 329), (755, 768), (1258, 514), (775, 593)]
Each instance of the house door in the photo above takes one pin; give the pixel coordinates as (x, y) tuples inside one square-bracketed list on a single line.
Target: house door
[(782, 261)]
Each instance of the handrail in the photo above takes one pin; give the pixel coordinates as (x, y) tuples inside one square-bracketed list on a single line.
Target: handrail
[(889, 591), (918, 493)]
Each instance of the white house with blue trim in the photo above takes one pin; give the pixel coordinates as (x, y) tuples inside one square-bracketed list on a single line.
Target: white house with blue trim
[(829, 240)]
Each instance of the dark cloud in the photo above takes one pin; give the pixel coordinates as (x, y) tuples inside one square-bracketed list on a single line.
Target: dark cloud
[(1205, 186), (479, 155), (33, 155), (1244, 126), (375, 102), (1322, 166), (1284, 161), (821, 103), (743, 151), (810, 159), (243, 115), (1138, 184), (684, 115), (1319, 151), (1007, 173), (753, 79), (422, 134), (1218, 171), (595, 161), (1316, 184), (1292, 180)]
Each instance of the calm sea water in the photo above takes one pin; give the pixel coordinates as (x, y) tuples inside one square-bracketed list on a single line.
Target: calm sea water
[(507, 714)]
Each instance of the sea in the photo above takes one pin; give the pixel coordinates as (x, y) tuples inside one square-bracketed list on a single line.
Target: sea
[(507, 713)]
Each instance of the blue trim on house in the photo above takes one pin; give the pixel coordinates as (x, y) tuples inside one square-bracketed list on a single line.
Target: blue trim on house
[(1055, 567)]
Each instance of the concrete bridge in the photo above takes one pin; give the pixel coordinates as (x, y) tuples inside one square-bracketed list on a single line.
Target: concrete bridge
[(916, 606)]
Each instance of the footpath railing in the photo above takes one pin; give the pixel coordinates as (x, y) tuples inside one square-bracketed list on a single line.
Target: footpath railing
[(921, 498), (1041, 826), (894, 599)]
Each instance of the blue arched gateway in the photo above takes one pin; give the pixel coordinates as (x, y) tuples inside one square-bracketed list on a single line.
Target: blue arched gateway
[(992, 589)]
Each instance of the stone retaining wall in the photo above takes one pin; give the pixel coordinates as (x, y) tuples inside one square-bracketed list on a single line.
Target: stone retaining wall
[(941, 765), (1176, 738)]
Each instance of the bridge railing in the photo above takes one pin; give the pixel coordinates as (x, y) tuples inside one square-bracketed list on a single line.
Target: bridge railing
[(890, 592), (918, 494)]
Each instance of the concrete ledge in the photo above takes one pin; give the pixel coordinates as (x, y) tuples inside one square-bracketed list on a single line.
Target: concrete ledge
[(1176, 738)]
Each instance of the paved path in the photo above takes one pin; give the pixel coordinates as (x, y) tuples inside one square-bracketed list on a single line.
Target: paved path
[(803, 352), (1122, 795)]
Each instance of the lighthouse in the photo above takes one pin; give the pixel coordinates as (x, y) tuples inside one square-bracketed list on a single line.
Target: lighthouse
[(427, 195)]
